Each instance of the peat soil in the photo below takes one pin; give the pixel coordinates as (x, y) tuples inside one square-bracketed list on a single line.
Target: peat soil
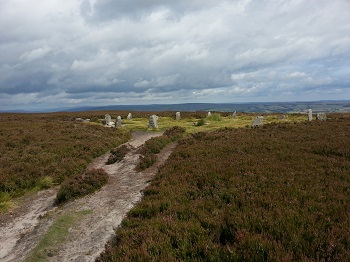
[(22, 229)]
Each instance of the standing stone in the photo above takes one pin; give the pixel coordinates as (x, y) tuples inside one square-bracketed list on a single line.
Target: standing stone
[(178, 116), (118, 121), (310, 115), (234, 114), (108, 119), (153, 121), (129, 117), (258, 121), (282, 117), (321, 116), (209, 113)]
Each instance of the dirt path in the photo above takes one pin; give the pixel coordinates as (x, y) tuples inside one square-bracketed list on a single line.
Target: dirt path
[(107, 208)]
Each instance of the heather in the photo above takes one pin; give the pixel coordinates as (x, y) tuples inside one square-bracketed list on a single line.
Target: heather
[(80, 185), (279, 192), (117, 154), (42, 150), (152, 147)]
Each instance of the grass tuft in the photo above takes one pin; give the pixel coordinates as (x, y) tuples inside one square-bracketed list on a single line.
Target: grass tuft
[(214, 117), (6, 203)]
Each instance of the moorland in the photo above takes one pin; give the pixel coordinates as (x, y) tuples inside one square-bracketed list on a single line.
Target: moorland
[(276, 193), (228, 192)]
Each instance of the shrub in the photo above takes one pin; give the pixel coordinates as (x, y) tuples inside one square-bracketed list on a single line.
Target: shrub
[(156, 144), (81, 185), (117, 154), (214, 117), (46, 182), (146, 161), (201, 122), (174, 133)]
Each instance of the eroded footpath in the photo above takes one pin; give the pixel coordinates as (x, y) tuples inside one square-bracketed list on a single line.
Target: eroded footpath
[(103, 211)]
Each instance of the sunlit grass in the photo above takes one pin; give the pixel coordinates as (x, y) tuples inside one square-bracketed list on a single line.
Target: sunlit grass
[(6, 203), (212, 122)]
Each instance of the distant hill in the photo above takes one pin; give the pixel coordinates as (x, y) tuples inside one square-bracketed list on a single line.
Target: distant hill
[(257, 107), (279, 107)]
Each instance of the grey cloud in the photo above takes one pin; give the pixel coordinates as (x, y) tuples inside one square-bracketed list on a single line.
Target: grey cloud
[(173, 51), (104, 10)]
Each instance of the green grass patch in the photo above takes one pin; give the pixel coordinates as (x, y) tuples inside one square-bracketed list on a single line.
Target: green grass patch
[(46, 182), (214, 117), (57, 233), (6, 203)]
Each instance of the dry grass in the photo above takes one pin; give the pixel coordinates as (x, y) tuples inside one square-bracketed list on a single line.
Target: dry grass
[(188, 120)]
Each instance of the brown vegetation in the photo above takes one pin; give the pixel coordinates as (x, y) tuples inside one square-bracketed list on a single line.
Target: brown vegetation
[(154, 145), (117, 154), (41, 148), (275, 193), (81, 185)]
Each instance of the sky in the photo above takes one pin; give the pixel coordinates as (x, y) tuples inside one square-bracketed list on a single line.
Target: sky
[(74, 53)]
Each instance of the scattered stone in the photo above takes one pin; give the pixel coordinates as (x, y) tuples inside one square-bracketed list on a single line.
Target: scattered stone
[(153, 121), (129, 117), (79, 119), (321, 116), (209, 113), (108, 120), (310, 115), (118, 121), (178, 116), (258, 121), (234, 114)]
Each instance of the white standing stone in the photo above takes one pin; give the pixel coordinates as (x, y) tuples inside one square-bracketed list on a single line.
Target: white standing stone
[(129, 117), (153, 121), (118, 121), (209, 113), (108, 119), (310, 115), (178, 116), (258, 121), (321, 116), (234, 114)]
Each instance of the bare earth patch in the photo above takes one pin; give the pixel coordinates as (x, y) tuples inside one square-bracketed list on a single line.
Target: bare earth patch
[(21, 230)]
